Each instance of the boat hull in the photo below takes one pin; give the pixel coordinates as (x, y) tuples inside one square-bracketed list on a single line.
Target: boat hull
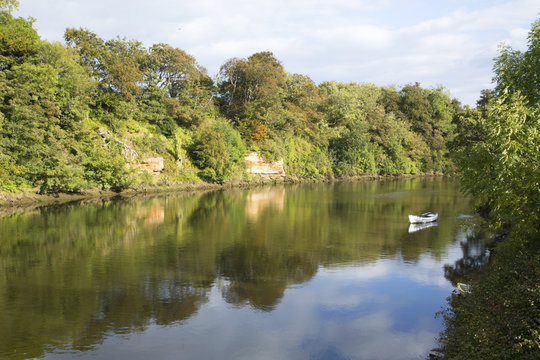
[(423, 218)]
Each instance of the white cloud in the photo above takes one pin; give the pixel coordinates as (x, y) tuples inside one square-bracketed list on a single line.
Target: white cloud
[(384, 42)]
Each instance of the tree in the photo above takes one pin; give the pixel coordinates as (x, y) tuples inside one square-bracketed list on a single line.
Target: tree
[(342, 106), (19, 41), (32, 133), (75, 88), (497, 151), (516, 71), (118, 64), (171, 69), (251, 92), (186, 90), (45, 95), (430, 114), (368, 139), (416, 108), (501, 167), (305, 159), (124, 61), (302, 114), (9, 5), (90, 47), (353, 153), (486, 96), (231, 82)]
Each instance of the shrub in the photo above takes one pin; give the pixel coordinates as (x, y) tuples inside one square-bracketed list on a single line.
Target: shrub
[(305, 159), (217, 150)]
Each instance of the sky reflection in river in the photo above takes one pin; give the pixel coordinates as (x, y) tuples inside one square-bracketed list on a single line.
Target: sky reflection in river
[(383, 310), (318, 272)]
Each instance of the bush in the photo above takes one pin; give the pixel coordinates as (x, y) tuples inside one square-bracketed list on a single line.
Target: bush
[(107, 168), (218, 151), (10, 179), (353, 153), (167, 127), (305, 159)]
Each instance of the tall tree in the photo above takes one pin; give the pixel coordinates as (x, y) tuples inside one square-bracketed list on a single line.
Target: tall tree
[(416, 108), (44, 104), (517, 71), (9, 5), (498, 152), (501, 168), (302, 103), (171, 68), (429, 113), (251, 92), (19, 41), (186, 89), (118, 64)]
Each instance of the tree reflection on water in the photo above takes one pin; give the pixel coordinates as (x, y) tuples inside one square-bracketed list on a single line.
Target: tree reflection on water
[(72, 275), (475, 256)]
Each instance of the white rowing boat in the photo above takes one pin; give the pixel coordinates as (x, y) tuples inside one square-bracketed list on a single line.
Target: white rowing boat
[(423, 218)]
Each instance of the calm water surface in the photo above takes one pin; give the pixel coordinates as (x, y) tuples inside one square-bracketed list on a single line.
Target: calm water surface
[(287, 272)]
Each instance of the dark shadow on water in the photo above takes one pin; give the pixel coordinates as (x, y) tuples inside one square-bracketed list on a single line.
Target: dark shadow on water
[(475, 256)]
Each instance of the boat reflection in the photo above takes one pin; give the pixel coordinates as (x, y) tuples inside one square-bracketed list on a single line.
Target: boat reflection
[(417, 227)]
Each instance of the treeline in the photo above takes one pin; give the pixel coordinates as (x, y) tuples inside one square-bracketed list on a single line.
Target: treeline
[(83, 114), (497, 150)]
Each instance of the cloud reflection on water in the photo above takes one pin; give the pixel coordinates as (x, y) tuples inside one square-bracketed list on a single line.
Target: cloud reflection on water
[(315, 271), (375, 311)]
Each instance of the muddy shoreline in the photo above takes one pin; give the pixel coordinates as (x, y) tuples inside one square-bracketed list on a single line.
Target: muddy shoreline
[(31, 199)]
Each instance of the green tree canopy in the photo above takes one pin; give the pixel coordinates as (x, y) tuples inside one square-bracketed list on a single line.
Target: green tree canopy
[(501, 166), (9, 5), (218, 151), (302, 103), (118, 64), (172, 68), (19, 41), (251, 92)]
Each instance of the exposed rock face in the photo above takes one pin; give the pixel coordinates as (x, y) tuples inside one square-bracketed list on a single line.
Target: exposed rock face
[(152, 165), (255, 165)]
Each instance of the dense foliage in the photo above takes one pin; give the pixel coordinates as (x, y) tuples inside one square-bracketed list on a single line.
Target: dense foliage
[(86, 114), (497, 149)]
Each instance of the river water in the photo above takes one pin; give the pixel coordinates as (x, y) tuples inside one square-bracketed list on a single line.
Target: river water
[(326, 271)]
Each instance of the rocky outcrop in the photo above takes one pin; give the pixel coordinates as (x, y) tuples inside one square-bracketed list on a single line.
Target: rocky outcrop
[(257, 166), (152, 165)]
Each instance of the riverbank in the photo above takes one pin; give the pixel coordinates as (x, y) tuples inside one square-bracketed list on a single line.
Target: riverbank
[(29, 199), (499, 318)]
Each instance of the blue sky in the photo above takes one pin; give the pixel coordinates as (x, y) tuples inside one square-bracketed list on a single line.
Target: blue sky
[(386, 42)]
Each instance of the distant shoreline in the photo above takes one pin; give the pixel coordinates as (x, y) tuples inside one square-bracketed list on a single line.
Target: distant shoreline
[(31, 199)]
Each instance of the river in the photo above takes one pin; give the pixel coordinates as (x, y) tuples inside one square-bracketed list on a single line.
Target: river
[(322, 271)]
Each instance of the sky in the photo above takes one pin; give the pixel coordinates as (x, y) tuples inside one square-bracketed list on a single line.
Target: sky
[(386, 42)]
